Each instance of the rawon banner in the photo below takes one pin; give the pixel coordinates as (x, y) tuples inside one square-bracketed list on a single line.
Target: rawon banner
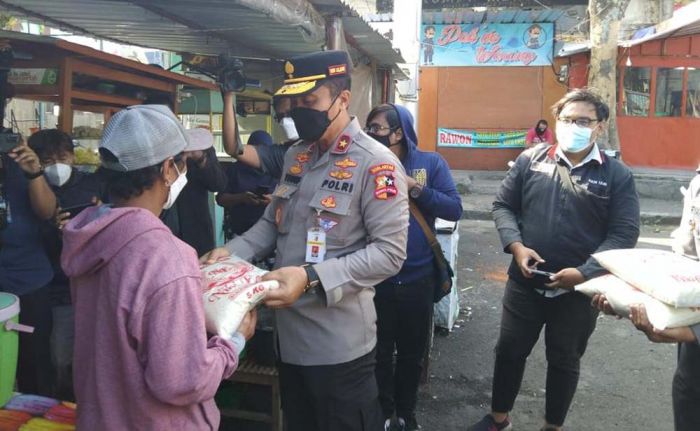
[(487, 45), (455, 138)]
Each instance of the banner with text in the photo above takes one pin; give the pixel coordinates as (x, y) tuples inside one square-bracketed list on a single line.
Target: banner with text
[(487, 44), (473, 139)]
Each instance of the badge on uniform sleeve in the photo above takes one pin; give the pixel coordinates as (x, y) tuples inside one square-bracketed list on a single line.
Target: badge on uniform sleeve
[(303, 157), (315, 245), (384, 181)]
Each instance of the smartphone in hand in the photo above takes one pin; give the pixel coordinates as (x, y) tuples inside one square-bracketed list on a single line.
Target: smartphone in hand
[(536, 271), (261, 191), (76, 209)]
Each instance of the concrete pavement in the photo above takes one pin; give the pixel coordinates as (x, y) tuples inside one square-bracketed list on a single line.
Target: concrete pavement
[(625, 380)]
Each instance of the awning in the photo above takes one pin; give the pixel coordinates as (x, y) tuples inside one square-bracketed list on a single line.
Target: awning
[(245, 28), (194, 26), (95, 60), (685, 22), (365, 38)]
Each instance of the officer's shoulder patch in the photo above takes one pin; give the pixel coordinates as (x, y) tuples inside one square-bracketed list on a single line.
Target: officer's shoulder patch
[(374, 170), (342, 145), (384, 181)]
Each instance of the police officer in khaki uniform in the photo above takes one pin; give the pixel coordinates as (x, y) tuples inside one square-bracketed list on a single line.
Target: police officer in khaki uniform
[(339, 221)]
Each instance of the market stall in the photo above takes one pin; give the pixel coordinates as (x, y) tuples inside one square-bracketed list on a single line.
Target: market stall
[(79, 78)]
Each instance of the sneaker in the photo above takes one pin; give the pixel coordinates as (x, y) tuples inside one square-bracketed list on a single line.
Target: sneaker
[(488, 424), (408, 423), (387, 425)]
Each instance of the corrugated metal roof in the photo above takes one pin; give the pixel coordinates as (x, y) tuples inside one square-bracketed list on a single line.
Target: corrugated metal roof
[(368, 40), (504, 16), (199, 26), (371, 42), (195, 26)]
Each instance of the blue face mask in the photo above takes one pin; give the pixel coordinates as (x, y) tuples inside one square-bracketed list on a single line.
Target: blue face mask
[(573, 138)]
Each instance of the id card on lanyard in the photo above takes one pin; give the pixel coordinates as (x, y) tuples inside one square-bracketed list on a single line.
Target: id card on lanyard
[(316, 243)]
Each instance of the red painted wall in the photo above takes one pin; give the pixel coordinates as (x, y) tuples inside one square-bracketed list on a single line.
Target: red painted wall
[(483, 98), (656, 142), (672, 143)]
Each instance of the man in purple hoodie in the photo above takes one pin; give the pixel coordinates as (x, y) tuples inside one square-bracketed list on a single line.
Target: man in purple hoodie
[(142, 360)]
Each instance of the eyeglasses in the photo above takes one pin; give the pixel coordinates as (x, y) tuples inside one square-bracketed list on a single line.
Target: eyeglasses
[(582, 121), (376, 128)]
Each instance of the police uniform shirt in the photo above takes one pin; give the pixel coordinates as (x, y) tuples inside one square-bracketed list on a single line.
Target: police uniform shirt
[(355, 192)]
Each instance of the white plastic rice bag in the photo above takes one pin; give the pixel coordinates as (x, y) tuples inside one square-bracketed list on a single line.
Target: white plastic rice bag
[(667, 276), (232, 288), (621, 296)]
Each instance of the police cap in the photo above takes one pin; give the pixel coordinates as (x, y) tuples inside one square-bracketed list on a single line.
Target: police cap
[(305, 73)]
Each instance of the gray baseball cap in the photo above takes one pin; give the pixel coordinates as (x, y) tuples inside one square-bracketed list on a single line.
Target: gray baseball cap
[(141, 136)]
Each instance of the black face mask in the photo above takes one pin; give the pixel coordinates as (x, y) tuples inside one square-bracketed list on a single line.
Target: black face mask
[(384, 140), (310, 123)]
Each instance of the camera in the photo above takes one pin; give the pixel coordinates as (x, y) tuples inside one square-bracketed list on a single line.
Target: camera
[(230, 75)]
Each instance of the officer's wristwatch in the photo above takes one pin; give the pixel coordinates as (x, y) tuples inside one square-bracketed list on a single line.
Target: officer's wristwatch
[(312, 280), (415, 191)]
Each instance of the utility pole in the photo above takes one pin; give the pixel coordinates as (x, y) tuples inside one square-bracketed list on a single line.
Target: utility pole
[(605, 18)]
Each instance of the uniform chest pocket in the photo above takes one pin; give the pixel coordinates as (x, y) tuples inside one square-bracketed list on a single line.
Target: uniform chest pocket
[(333, 213), (596, 205), (282, 206)]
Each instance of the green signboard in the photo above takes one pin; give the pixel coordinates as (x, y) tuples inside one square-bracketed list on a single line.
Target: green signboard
[(33, 76)]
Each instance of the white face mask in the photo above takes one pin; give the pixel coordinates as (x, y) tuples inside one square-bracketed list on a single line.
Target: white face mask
[(573, 138), (176, 188), (58, 174), (289, 128)]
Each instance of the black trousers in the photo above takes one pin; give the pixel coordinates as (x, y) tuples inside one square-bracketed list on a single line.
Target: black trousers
[(404, 314), (339, 397), (34, 369), (569, 321), (686, 388)]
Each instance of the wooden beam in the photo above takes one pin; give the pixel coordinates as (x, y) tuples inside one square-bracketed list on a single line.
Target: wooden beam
[(131, 64), (65, 88), (39, 98), (90, 69), (36, 90), (90, 108), (110, 99)]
